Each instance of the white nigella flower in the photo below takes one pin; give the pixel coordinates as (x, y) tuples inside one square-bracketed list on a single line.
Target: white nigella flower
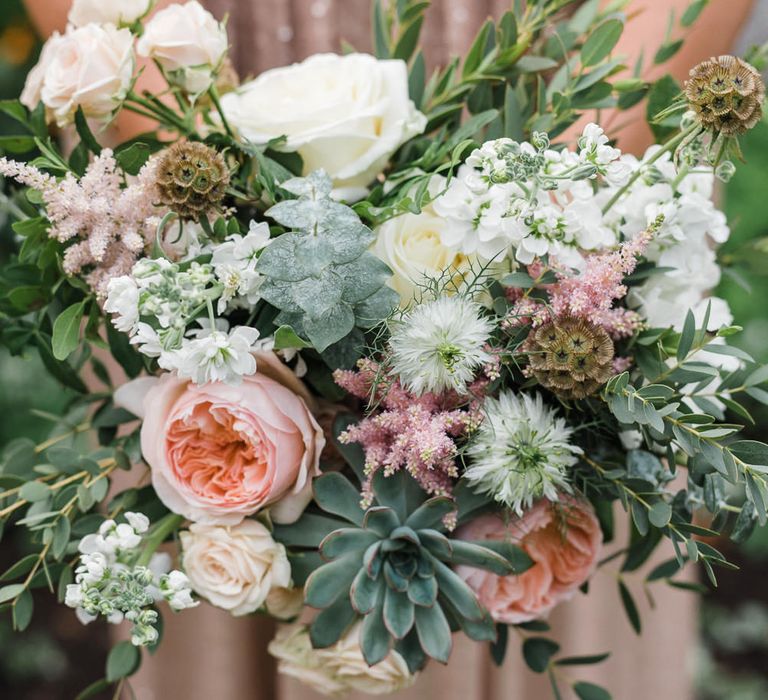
[(439, 345), (123, 302), (520, 452), (218, 356)]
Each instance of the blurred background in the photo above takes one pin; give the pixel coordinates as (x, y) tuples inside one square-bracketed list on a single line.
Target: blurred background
[(56, 657)]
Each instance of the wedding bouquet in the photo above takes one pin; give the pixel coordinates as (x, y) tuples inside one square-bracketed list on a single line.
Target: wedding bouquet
[(390, 346)]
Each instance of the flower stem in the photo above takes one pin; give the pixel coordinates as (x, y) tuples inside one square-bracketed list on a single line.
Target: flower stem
[(162, 529), (214, 93)]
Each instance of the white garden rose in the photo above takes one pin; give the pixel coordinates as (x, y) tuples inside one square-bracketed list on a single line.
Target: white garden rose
[(340, 668), (107, 11), (234, 568), (31, 94), (188, 42), (412, 247), (346, 114), (90, 67)]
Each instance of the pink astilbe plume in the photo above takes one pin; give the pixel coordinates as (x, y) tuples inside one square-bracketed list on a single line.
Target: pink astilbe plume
[(589, 295), (410, 432), (111, 225)]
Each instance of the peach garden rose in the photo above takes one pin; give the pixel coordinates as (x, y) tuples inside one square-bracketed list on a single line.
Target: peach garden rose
[(219, 453), (563, 539)]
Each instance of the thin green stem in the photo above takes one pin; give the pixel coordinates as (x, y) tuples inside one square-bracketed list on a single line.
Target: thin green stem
[(214, 93), (162, 529)]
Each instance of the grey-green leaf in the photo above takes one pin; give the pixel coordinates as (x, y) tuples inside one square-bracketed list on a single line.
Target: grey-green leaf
[(434, 632), (335, 494), (398, 613), (66, 331)]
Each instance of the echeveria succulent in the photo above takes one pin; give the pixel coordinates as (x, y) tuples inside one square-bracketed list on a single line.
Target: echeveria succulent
[(391, 566)]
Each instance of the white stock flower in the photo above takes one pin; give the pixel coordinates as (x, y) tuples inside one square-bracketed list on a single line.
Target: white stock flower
[(345, 114), (188, 42), (340, 668), (138, 521), (123, 302), (439, 345), (234, 263), (216, 356), (107, 11), (235, 567), (521, 451), (89, 67)]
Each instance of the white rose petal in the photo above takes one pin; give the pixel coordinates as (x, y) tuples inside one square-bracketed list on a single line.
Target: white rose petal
[(89, 67), (188, 42), (107, 11), (346, 114)]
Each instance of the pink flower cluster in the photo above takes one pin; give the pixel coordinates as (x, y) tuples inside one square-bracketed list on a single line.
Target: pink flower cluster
[(113, 224), (410, 432), (589, 295)]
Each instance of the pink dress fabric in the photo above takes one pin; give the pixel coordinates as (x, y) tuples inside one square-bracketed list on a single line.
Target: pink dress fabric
[(207, 655)]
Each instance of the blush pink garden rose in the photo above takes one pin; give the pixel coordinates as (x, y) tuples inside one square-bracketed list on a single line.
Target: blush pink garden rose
[(219, 453), (563, 539)]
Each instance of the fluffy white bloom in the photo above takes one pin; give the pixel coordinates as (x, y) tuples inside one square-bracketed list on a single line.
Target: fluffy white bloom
[(234, 263), (521, 451), (346, 114), (138, 521), (123, 302), (236, 567), (107, 12), (527, 201), (89, 67), (92, 568), (188, 42), (439, 345), (217, 356), (176, 589), (147, 340)]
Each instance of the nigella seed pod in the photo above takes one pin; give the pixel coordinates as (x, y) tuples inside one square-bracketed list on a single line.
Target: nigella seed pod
[(727, 94), (571, 357), (192, 179)]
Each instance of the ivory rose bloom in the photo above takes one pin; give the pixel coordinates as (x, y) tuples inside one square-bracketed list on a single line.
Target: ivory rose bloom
[(339, 669), (411, 246), (564, 541), (220, 452), (234, 568), (90, 67), (188, 42), (346, 114), (107, 11)]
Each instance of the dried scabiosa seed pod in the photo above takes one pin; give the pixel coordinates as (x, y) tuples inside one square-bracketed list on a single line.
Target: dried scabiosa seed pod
[(571, 357), (726, 94), (192, 179)]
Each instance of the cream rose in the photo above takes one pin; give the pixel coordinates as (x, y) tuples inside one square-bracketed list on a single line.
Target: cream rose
[(107, 11), (340, 668), (90, 67), (234, 568), (346, 114), (188, 42), (411, 246)]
